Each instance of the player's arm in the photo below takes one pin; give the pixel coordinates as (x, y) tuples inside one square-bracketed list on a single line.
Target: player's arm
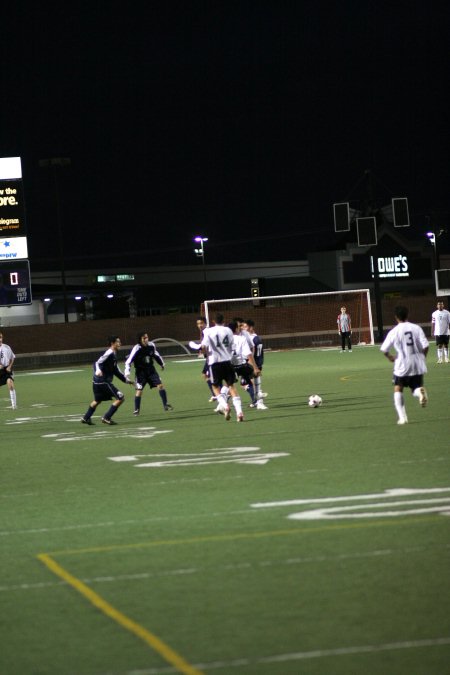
[(99, 364), (157, 356), (130, 359)]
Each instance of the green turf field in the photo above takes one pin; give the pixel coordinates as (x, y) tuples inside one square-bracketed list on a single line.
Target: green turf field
[(302, 541)]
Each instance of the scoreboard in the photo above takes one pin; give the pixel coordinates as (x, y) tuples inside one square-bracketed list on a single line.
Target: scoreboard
[(15, 283)]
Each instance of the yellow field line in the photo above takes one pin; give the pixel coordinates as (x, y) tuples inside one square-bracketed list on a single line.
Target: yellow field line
[(152, 640), (243, 535)]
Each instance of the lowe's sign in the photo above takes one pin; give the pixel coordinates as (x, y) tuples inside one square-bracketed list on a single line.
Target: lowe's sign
[(391, 266)]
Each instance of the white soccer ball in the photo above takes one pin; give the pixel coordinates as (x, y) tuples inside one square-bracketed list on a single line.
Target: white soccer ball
[(314, 401)]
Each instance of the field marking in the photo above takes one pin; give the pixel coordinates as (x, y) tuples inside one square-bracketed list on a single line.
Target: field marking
[(135, 432), (278, 563), (50, 372), (234, 454), (152, 640), (343, 512), (236, 536)]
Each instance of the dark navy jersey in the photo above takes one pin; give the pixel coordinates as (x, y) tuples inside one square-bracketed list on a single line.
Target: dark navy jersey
[(107, 364), (259, 350), (143, 357)]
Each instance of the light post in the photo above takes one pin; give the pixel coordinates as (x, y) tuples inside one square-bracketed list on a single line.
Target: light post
[(432, 239), (55, 164), (200, 253)]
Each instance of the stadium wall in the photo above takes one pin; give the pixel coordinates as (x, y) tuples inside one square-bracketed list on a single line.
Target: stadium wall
[(47, 344)]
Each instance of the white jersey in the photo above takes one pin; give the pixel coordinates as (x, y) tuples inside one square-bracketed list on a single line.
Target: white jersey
[(218, 341), (440, 322), (6, 355), (241, 350), (409, 341)]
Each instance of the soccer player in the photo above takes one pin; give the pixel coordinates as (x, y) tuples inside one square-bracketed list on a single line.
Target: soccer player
[(104, 390), (440, 328), (244, 364), (7, 358), (344, 323), (201, 325), (217, 344), (258, 353), (411, 346), (143, 354)]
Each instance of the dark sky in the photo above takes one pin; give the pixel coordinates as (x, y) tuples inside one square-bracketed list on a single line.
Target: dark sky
[(239, 120)]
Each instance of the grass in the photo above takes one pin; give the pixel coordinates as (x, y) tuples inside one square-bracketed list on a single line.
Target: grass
[(184, 556)]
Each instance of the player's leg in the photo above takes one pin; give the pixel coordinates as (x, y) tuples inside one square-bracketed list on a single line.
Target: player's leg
[(12, 392), (439, 349), (445, 348), (138, 389), (399, 402), (86, 419), (119, 399), (418, 390)]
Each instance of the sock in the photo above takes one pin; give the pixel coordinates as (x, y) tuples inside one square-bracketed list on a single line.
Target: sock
[(439, 353), (137, 402), (88, 414), (209, 383), (162, 393), (222, 400), (399, 403), (251, 392), (445, 353), (237, 404), (257, 381), (12, 396), (110, 412)]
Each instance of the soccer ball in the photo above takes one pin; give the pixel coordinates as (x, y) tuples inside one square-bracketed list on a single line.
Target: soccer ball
[(314, 401)]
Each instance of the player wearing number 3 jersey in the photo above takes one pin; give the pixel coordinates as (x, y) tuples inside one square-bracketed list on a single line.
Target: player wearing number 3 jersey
[(217, 344), (411, 346)]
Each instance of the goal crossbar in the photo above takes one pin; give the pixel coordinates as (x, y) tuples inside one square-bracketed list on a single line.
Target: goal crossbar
[(301, 319)]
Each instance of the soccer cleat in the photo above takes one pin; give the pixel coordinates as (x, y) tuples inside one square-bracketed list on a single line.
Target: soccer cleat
[(86, 421), (446, 359), (227, 413), (253, 405), (168, 407), (262, 394), (240, 417), (439, 361), (423, 397), (136, 412), (350, 350), (108, 420), (261, 406), (212, 399), (402, 420)]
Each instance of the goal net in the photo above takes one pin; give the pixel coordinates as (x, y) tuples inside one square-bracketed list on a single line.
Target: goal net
[(304, 320)]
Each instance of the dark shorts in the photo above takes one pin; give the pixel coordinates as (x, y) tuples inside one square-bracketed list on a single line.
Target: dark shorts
[(152, 379), (442, 340), (105, 391), (222, 372), (245, 372), (5, 375), (411, 381)]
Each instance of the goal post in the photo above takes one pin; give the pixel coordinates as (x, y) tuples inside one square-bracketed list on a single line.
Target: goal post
[(302, 320)]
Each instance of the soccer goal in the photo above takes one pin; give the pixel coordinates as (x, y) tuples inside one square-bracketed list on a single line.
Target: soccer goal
[(304, 320)]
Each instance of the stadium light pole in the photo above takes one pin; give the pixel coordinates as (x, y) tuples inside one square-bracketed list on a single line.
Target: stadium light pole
[(200, 253), (55, 164)]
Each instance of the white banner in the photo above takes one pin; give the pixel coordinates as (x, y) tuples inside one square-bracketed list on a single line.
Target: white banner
[(14, 248)]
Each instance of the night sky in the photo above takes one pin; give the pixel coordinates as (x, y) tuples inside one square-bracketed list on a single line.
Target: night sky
[(241, 121)]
